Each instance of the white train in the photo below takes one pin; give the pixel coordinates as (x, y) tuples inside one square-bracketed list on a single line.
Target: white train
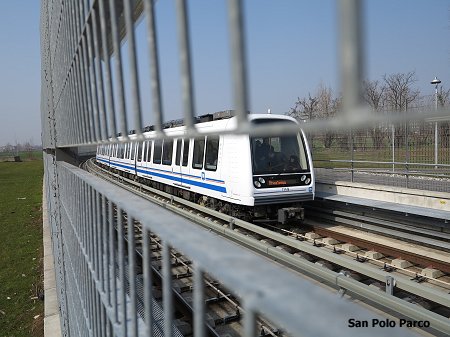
[(247, 177)]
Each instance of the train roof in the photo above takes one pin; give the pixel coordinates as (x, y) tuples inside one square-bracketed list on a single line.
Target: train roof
[(216, 116)]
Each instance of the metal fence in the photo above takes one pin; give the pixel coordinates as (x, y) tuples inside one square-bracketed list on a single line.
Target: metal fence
[(412, 154), (83, 104)]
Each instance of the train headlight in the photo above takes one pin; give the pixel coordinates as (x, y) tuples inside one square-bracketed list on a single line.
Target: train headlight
[(261, 180), (257, 184), (307, 181), (303, 177)]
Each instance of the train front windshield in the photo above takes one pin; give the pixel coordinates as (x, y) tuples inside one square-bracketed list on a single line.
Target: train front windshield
[(278, 154)]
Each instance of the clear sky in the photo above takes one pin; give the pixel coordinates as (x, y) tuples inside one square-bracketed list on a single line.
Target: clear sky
[(291, 49)]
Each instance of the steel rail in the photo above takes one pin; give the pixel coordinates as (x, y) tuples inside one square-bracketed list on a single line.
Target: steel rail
[(420, 260), (415, 234)]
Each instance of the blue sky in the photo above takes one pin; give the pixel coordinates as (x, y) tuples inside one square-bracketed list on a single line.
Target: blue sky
[(291, 49)]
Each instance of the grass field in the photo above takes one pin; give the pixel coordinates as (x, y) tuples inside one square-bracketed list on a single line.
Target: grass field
[(21, 248), (24, 155)]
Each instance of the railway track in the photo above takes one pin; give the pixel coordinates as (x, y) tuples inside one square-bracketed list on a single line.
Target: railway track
[(223, 310), (318, 253)]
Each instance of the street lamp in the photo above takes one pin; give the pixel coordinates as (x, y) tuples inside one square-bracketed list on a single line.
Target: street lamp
[(435, 82)]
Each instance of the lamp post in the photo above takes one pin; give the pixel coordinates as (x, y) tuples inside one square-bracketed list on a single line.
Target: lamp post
[(435, 82)]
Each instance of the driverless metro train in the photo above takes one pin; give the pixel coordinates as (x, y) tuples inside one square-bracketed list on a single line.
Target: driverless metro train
[(252, 178)]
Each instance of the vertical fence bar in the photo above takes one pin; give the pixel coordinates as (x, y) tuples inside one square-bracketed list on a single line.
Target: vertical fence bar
[(238, 59), (249, 321), (199, 302), (407, 154), (108, 86), (351, 55), (185, 63), (352, 155), (112, 263), (120, 92), (167, 289), (134, 85), (148, 293), (97, 236), (100, 87), (154, 64), (93, 79), (132, 276), (436, 141), (82, 107), (122, 271), (104, 251), (85, 86), (393, 147)]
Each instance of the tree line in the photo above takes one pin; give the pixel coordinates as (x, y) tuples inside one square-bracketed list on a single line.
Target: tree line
[(394, 93)]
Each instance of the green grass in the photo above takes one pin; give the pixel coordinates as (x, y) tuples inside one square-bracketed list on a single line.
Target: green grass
[(424, 154), (24, 155), (21, 248)]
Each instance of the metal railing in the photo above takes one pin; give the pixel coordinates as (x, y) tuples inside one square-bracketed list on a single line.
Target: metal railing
[(84, 104), (403, 155)]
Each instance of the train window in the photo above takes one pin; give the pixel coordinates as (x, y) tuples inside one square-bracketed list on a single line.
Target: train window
[(199, 150), (157, 152), (144, 151), (178, 151), (148, 150), (125, 151), (167, 152), (133, 150), (185, 152), (278, 154), (212, 153), (139, 152)]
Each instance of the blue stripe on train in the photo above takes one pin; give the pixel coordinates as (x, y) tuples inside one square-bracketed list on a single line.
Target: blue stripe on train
[(177, 179)]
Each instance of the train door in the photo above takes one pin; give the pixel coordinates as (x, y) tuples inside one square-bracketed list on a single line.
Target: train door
[(138, 158), (181, 160), (133, 156), (211, 163), (178, 144)]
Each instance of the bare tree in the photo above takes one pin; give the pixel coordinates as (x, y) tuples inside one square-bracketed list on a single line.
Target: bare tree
[(399, 97), (327, 106), (443, 97), (374, 95), (305, 108), (399, 94)]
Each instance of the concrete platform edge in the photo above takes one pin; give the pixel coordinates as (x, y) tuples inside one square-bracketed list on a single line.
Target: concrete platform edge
[(439, 201)]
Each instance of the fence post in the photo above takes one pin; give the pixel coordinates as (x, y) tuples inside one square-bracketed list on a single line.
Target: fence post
[(352, 155), (436, 145), (393, 147), (407, 153)]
